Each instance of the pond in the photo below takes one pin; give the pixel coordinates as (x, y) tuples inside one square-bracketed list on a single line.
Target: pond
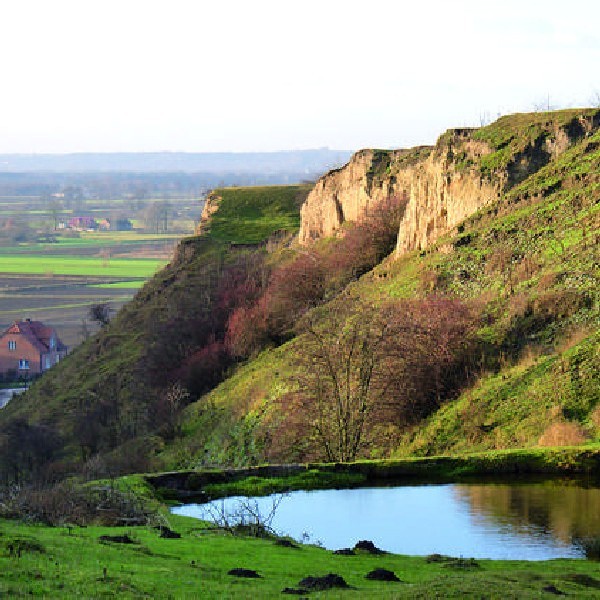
[(533, 521)]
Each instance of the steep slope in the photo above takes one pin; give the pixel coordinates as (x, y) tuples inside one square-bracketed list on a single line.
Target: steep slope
[(527, 262), (498, 224), (110, 404), (466, 170)]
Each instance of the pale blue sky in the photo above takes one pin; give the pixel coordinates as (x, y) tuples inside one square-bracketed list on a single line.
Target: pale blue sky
[(241, 75)]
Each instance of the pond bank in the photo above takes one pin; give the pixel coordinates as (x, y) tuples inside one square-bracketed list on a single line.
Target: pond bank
[(214, 483), (524, 521)]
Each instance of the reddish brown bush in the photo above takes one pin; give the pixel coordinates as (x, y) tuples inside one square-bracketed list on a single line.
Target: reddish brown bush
[(368, 365), (314, 276)]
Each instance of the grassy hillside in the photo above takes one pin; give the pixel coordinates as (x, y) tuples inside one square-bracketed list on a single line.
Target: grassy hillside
[(250, 215), (112, 391), (528, 265), (522, 274)]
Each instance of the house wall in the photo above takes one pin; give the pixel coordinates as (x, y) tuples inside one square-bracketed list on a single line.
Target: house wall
[(50, 358), (9, 359)]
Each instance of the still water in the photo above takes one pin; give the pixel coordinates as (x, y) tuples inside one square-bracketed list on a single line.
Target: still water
[(536, 521)]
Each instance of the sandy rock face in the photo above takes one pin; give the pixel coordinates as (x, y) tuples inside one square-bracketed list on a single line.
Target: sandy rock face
[(211, 205), (342, 195), (438, 191), (440, 197)]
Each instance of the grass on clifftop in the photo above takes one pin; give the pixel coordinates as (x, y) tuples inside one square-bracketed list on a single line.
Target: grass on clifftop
[(249, 215)]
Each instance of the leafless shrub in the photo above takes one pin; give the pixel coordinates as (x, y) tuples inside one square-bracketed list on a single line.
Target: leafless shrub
[(245, 518), (68, 503)]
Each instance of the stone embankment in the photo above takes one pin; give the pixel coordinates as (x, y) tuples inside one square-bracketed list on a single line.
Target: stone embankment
[(509, 464)]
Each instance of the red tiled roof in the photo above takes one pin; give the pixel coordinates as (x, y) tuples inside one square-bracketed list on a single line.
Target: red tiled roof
[(37, 333)]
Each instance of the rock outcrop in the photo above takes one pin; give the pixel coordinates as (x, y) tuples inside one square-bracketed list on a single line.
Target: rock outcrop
[(211, 206), (442, 191), (467, 169), (439, 192)]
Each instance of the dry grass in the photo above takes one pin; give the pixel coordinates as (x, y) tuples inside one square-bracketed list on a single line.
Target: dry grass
[(575, 337), (595, 417), (563, 433)]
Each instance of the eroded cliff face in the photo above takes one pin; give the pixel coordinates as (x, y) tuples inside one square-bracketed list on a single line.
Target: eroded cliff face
[(345, 194), (211, 205), (443, 190), (467, 169), (438, 190)]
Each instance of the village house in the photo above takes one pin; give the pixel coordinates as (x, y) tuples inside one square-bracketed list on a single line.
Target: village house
[(28, 348), (82, 223)]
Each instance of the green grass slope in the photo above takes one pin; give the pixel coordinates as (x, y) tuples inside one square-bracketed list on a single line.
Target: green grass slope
[(104, 395), (250, 215), (529, 264), (56, 562)]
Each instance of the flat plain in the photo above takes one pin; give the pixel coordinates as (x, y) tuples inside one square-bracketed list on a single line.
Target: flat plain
[(56, 275)]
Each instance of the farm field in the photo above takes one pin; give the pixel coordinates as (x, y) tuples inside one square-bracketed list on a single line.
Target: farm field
[(79, 265), (56, 275), (64, 300), (58, 283)]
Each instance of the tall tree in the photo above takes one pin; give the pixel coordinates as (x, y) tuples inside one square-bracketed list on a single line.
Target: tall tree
[(368, 364)]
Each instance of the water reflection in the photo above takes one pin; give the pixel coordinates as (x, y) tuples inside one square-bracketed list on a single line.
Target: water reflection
[(518, 521), (564, 511)]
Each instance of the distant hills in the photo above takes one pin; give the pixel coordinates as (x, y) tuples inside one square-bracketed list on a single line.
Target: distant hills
[(306, 161)]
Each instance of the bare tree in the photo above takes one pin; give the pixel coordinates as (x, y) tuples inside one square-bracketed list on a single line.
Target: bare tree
[(169, 408), (544, 104), (157, 216), (370, 364), (343, 378), (55, 209), (245, 517), (100, 313)]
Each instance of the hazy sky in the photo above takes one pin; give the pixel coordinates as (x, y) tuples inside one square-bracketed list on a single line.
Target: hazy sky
[(240, 75)]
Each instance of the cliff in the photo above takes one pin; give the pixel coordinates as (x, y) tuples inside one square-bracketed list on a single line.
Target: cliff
[(467, 169), (211, 206)]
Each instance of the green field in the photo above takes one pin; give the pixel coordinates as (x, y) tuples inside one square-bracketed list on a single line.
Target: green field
[(73, 562), (56, 275), (75, 265)]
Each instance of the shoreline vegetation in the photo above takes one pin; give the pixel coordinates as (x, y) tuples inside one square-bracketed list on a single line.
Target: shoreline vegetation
[(180, 557), (578, 462)]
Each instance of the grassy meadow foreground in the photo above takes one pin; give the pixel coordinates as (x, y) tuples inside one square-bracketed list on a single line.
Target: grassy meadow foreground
[(73, 562), (68, 560)]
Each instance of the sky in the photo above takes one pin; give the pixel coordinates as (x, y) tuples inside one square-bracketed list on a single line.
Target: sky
[(266, 75)]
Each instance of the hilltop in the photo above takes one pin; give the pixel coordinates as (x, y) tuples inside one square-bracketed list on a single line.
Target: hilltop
[(468, 270)]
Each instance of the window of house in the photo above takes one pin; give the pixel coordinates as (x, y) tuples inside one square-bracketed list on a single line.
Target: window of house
[(48, 363), (12, 344), (23, 363)]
